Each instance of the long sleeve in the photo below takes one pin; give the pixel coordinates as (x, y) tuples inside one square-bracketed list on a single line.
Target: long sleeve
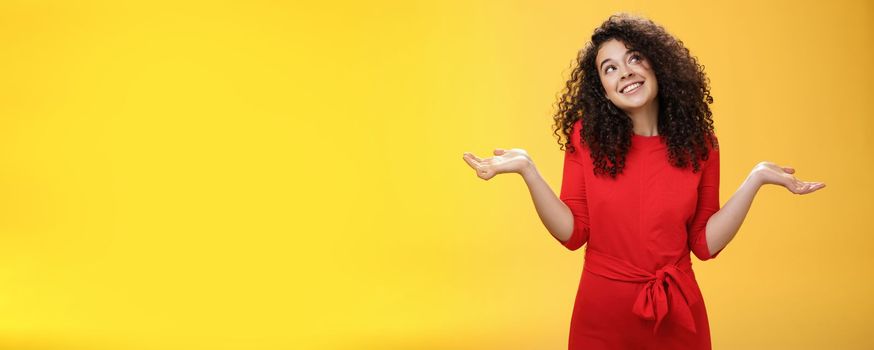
[(708, 204), (573, 192)]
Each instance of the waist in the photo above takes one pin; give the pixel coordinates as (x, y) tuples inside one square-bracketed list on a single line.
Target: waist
[(616, 268), (670, 290)]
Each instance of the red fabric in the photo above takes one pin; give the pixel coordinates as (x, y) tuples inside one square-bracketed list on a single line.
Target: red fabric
[(638, 289)]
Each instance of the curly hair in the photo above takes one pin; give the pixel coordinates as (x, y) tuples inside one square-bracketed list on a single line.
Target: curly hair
[(684, 116)]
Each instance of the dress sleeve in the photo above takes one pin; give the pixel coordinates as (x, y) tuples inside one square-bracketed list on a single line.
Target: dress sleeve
[(573, 192), (708, 204)]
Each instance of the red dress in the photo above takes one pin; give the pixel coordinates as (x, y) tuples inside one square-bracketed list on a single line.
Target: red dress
[(637, 289)]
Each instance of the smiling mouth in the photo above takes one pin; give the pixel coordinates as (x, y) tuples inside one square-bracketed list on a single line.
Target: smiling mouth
[(632, 87)]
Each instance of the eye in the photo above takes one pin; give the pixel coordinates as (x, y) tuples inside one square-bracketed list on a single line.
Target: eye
[(608, 69), (636, 57)]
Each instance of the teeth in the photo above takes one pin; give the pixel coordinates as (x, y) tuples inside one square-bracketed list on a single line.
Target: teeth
[(631, 87)]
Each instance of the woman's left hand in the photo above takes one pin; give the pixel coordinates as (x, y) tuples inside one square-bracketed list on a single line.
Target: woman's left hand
[(770, 173)]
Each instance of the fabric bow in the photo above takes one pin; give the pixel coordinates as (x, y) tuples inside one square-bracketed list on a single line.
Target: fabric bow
[(668, 291), (672, 292)]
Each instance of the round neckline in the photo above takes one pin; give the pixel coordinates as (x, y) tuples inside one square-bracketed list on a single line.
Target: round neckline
[(646, 141)]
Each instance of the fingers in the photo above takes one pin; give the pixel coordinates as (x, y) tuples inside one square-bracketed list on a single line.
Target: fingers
[(813, 186), (789, 169), (482, 170), (805, 187), (469, 160), (794, 185), (801, 188), (477, 159), (499, 151), (473, 161)]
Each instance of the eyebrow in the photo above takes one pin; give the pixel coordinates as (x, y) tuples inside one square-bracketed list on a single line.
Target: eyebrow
[(626, 54)]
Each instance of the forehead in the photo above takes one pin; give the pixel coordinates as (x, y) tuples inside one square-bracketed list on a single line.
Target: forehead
[(611, 49)]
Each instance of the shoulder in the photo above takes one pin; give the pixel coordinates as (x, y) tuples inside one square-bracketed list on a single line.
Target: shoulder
[(575, 134), (713, 144), (581, 151), (578, 124), (712, 149)]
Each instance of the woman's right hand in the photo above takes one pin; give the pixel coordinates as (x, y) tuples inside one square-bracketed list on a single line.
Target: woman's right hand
[(515, 160)]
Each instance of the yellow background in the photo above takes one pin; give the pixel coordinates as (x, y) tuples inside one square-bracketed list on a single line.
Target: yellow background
[(270, 175)]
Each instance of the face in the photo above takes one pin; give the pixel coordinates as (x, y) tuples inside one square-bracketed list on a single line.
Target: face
[(620, 68)]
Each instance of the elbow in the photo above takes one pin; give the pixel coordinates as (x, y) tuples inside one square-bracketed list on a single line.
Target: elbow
[(579, 221), (701, 248), (699, 243), (572, 246), (703, 255), (579, 237)]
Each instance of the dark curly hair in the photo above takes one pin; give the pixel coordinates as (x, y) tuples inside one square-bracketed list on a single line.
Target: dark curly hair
[(683, 97)]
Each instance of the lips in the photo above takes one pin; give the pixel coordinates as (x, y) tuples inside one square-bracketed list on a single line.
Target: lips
[(629, 84)]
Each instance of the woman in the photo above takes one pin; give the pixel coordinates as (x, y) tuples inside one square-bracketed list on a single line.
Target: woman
[(640, 188)]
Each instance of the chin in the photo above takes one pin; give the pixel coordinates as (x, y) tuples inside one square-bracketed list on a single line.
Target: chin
[(639, 103), (635, 105), (632, 107)]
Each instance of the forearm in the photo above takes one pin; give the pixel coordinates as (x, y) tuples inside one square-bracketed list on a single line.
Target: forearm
[(725, 223), (553, 213)]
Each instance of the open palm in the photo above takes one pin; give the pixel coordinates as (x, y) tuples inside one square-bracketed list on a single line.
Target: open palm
[(505, 161), (770, 173)]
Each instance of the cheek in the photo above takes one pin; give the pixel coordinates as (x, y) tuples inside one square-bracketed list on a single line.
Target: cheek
[(606, 87), (653, 82), (611, 94), (650, 72)]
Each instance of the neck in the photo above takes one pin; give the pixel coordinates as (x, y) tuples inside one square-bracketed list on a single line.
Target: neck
[(645, 119)]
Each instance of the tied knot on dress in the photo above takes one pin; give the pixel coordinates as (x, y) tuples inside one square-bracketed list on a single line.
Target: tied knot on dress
[(668, 291)]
